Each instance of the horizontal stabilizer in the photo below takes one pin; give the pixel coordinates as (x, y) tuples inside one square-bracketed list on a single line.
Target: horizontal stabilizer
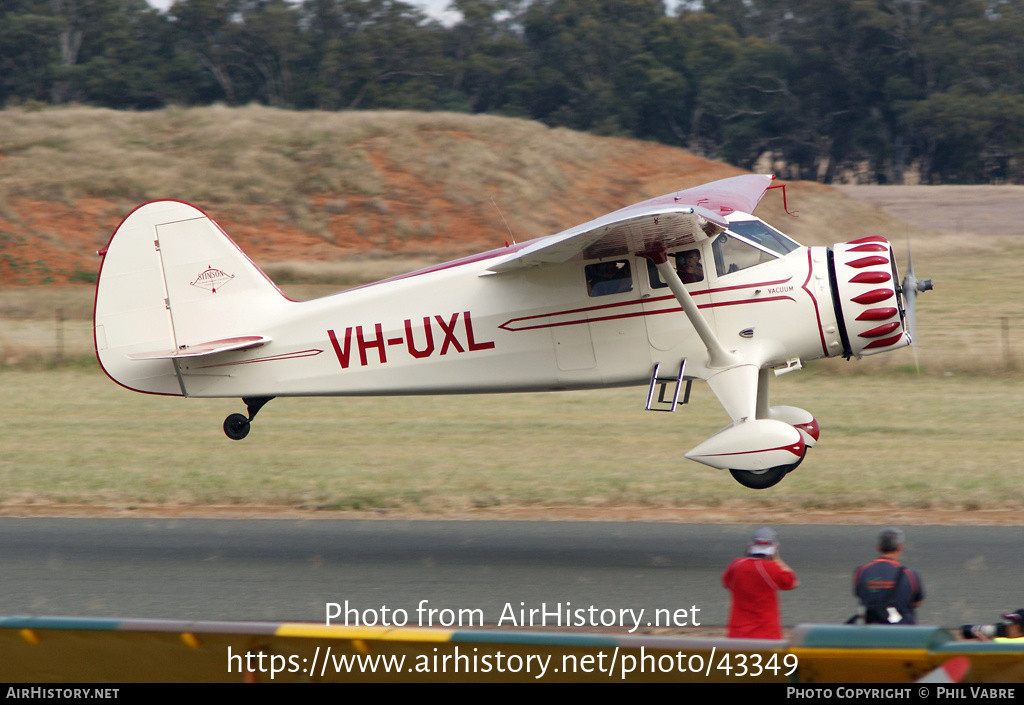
[(213, 347)]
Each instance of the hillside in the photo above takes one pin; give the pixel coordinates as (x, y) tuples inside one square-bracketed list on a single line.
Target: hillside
[(307, 194)]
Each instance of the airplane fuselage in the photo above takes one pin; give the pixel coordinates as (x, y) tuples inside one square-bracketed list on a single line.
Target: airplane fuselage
[(463, 329)]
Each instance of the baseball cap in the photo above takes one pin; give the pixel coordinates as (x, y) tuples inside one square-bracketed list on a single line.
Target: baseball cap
[(763, 542), (1017, 616)]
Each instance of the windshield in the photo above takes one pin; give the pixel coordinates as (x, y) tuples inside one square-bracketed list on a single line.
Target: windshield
[(733, 254), (763, 235)]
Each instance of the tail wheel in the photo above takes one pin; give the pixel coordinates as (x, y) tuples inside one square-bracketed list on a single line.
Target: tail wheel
[(236, 426)]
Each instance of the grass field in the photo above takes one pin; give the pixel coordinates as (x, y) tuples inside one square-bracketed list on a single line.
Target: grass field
[(897, 441)]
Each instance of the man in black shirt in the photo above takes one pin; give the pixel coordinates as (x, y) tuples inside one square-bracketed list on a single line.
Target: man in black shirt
[(888, 591)]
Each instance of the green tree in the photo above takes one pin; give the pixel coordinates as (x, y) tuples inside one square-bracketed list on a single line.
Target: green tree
[(584, 54), (27, 51), (487, 58), (372, 53)]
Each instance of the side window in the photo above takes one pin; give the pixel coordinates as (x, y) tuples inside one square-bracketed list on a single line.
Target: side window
[(688, 266), (732, 255), (606, 278)]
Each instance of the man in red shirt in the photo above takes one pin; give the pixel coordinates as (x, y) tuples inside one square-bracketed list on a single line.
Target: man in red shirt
[(754, 581)]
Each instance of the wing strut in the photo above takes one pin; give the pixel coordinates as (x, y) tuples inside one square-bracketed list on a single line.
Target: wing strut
[(718, 356)]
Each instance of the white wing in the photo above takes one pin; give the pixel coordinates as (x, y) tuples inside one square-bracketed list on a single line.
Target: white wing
[(680, 218)]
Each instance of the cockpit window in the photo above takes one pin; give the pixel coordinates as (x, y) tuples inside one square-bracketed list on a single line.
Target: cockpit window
[(764, 235), (612, 277), (732, 255), (688, 266)]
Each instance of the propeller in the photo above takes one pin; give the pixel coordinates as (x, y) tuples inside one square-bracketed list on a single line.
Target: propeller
[(910, 288)]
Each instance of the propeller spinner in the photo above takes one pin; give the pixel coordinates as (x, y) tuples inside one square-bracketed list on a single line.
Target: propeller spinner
[(910, 287)]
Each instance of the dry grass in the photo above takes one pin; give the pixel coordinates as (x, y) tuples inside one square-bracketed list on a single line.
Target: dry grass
[(258, 156), (896, 442), (317, 186)]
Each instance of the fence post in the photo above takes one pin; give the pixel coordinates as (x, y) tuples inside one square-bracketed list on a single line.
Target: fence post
[(59, 354), (1008, 362)]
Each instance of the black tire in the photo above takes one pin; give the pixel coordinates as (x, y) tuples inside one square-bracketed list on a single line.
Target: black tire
[(791, 468), (236, 427), (762, 479)]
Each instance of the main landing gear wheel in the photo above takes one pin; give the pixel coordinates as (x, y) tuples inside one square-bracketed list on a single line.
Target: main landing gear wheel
[(761, 479), (791, 468), (236, 426)]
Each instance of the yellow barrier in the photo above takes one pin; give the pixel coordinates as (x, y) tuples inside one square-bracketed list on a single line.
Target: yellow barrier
[(50, 650)]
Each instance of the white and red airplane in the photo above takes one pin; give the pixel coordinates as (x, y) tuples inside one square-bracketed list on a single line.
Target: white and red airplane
[(685, 286)]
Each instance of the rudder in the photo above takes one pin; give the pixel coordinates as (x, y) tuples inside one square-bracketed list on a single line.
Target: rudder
[(172, 279)]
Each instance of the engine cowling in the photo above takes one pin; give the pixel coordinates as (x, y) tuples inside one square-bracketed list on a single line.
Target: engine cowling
[(867, 297)]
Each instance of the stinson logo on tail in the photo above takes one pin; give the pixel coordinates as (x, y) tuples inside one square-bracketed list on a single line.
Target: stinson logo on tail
[(212, 279)]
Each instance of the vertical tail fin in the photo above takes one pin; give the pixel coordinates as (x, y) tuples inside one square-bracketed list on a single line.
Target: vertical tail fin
[(172, 279)]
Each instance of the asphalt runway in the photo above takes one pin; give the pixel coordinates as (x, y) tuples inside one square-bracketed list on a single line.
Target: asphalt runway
[(286, 570)]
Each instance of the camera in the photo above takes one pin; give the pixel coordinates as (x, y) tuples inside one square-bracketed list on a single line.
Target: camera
[(1011, 629), (984, 631)]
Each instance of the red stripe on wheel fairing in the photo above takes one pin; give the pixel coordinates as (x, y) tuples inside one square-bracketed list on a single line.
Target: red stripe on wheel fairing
[(796, 449)]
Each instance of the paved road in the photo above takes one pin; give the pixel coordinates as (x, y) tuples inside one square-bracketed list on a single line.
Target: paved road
[(280, 570)]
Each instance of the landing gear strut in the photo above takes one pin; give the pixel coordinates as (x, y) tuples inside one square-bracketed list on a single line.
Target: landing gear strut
[(236, 426)]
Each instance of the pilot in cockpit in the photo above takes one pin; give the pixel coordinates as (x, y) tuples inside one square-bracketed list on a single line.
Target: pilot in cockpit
[(690, 269)]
